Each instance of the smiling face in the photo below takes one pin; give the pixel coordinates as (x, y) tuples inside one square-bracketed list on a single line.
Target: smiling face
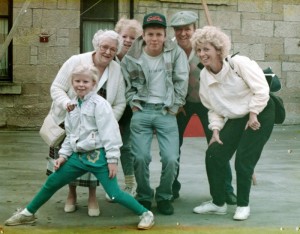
[(128, 35), (183, 35), (106, 51), (209, 56), (82, 84), (154, 38)]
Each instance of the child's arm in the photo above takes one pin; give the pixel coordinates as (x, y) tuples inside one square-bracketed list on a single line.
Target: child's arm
[(59, 162), (113, 169), (66, 149)]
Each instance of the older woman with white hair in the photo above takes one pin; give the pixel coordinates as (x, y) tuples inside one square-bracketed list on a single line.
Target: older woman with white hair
[(111, 86), (241, 116)]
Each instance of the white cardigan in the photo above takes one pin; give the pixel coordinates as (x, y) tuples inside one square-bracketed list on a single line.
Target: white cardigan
[(62, 91)]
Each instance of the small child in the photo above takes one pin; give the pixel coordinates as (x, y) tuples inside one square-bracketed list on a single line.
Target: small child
[(92, 144)]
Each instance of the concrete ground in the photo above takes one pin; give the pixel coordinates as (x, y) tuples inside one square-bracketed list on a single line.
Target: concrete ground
[(274, 200)]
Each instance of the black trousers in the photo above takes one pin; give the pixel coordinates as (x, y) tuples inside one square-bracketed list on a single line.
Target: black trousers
[(197, 108), (248, 145)]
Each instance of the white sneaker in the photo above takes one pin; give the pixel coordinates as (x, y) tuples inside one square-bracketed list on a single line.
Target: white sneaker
[(19, 219), (242, 213), (147, 220), (210, 208), (130, 190)]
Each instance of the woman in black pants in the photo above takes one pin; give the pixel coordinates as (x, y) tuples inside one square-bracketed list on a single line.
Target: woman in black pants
[(241, 116)]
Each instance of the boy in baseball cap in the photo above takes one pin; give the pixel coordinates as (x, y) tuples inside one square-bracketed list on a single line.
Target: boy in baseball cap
[(156, 72)]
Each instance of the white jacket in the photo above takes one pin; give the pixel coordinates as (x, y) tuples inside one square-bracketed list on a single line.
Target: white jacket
[(229, 96), (92, 126), (62, 91)]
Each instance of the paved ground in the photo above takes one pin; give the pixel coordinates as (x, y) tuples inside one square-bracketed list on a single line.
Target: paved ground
[(274, 200)]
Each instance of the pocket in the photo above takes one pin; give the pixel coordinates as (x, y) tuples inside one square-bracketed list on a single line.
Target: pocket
[(90, 143)]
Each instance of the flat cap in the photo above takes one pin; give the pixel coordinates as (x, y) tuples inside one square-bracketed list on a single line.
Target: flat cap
[(183, 18)]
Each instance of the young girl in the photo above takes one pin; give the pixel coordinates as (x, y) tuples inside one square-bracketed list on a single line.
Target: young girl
[(92, 145)]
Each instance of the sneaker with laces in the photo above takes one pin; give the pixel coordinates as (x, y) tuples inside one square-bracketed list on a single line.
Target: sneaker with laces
[(242, 213), (18, 219), (130, 190), (210, 208), (147, 220)]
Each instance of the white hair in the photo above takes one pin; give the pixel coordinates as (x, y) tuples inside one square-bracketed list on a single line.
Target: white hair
[(100, 35)]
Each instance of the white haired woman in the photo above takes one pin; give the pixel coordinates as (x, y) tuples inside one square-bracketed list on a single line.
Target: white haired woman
[(111, 86), (241, 116)]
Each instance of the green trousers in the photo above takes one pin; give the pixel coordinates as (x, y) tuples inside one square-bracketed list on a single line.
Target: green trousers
[(72, 169)]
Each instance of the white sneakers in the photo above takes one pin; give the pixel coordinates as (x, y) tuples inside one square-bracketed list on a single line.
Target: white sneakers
[(210, 208), (19, 218), (242, 213), (147, 221)]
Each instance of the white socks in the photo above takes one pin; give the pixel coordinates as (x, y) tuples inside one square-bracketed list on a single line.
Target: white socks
[(130, 181), (26, 212)]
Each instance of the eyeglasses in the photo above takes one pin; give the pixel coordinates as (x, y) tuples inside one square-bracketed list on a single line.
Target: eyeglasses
[(105, 48)]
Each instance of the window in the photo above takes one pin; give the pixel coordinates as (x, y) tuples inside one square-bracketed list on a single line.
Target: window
[(5, 26), (95, 15)]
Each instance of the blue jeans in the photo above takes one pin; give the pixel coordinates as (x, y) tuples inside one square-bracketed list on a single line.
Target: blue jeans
[(76, 167), (143, 123)]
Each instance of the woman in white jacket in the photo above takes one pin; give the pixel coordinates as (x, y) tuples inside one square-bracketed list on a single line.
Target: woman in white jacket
[(241, 116), (111, 86)]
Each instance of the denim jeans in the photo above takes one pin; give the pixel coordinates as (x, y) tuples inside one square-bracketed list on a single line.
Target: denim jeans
[(143, 123), (74, 168)]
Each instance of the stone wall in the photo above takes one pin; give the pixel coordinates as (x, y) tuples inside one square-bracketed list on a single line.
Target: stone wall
[(26, 102), (267, 31)]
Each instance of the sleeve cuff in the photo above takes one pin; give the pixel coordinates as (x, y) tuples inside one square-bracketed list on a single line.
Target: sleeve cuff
[(64, 156), (112, 160)]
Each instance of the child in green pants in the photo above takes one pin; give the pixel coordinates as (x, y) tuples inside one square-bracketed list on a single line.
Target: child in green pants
[(92, 144)]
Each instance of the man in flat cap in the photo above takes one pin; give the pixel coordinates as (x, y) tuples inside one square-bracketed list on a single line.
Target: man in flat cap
[(184, 25), (156, 73)]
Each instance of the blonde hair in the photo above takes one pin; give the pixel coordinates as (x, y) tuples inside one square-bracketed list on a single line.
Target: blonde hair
[(100, 35), (214, 36), (130, 24), (88, 70)]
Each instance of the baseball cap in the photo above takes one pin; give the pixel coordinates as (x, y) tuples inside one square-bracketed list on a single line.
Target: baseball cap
[(154, 19), (183, 18)]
